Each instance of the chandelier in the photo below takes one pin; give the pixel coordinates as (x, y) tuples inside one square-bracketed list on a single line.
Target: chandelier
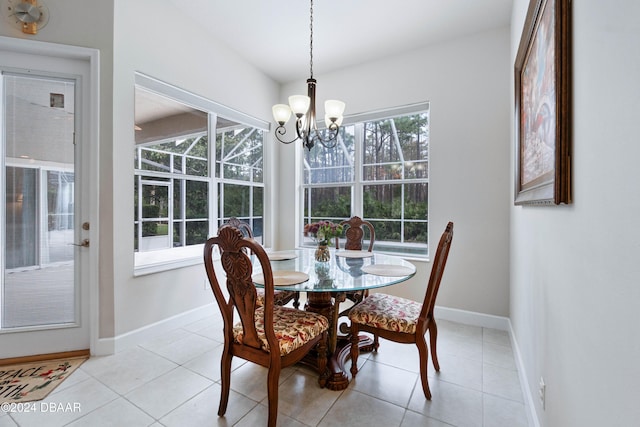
[(304, 108)]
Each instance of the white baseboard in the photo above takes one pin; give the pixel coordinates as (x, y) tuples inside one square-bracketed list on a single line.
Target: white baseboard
[(103, 347), (524, 382), (106, 346), (503, 324), (472, 318)]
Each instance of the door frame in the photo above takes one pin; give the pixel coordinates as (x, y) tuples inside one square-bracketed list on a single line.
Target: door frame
[(89, 166)]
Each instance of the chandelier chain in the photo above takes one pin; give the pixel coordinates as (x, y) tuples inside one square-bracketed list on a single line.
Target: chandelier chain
[(311, 40)]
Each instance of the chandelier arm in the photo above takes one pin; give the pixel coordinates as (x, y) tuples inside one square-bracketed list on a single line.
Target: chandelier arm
[(302, 127), (281, 130), (331, 140)]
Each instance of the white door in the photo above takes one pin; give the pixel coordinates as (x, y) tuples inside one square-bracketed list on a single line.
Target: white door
[(44, 286)]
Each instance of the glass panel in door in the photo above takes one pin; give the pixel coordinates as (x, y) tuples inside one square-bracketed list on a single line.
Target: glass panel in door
[(38, 289)]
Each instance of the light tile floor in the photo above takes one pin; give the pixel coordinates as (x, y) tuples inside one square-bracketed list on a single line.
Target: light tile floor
[(175, 381)]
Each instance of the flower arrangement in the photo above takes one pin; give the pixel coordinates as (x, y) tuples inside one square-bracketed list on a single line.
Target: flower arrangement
[(322, 232)]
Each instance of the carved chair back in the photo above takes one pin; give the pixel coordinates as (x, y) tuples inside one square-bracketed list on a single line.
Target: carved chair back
[(354, 232), (439, 262), (242, 226), (233, 247)]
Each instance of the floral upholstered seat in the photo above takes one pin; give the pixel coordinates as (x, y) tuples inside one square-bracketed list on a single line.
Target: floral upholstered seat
[(387, 312), (293, 328)]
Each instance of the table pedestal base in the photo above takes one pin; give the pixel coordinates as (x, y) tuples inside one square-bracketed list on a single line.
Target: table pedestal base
[(339, 347), (339, 365)]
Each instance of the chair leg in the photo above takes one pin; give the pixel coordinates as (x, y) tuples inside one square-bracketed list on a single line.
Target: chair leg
[(272, 393), (296, 300), (225, 380), (433, 338), (376, 343), (424, 360), (355, 348)]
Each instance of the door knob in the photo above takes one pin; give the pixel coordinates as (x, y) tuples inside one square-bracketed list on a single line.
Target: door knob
[(84, 243)]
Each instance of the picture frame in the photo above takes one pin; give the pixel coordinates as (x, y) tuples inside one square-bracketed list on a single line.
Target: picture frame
[(542, 72)]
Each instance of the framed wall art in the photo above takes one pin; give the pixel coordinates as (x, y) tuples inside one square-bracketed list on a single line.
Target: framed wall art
[(543, 105)]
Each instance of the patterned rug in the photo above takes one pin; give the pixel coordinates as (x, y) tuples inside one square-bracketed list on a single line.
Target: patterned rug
[(26, 382)]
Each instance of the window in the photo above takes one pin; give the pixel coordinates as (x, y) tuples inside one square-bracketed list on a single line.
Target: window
[(239, 156), (185, 187), (379, 170)]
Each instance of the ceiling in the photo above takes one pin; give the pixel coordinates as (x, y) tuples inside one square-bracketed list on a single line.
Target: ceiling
[(273, 35)]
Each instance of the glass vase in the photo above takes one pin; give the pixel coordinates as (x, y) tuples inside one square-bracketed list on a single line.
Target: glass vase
[(322, 253)]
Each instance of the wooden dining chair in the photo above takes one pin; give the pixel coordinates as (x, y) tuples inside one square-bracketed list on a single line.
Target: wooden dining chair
[(270, 335), (354, 233), (280, 297), (354, 228), (402, 320)]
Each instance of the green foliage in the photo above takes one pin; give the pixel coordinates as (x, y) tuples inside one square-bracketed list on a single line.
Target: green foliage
[(197, 232), (236, 200), (150, 228), (197, 200), (331, 203)]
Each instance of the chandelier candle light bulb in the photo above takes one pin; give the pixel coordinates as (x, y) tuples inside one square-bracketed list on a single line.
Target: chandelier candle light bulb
[(334, 109), (281, 113), (299, 104)]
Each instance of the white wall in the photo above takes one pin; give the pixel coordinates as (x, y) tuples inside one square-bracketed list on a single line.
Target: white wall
[(467, 83), (575, 270), (172, 49)]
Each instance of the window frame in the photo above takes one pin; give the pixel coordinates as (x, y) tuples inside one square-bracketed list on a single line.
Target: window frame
[(177, 257), (358, 184)]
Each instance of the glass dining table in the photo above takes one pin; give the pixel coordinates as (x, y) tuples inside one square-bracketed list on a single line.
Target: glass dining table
[(328, 284)]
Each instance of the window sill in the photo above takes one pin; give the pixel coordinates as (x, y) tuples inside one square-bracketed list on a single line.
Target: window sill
[(167, 259)]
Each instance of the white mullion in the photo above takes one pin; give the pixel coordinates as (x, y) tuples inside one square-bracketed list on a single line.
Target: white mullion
[(139, 210), (214, 210), (170, 213), (251, 187), (357, 187), (183, 212), (402, 211)]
